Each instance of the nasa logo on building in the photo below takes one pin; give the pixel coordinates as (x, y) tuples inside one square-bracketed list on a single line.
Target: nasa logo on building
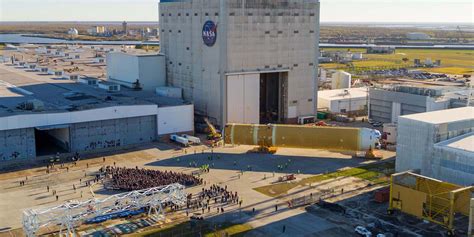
[(209, 33)]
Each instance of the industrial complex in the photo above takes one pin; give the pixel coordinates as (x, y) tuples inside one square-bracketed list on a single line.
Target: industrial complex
[(230, 127)]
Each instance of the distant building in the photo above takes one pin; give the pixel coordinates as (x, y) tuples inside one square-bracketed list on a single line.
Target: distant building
[(357, 56), (343, 100), (381, 50), (439, 144), (124, 27), (145, 71), (427, 63), (418, 36), (387, 104), (72, 32), (155, 32), (340, 56), (96, 30)]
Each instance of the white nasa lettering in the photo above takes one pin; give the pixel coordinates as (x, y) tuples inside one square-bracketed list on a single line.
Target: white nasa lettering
[(209, 33)]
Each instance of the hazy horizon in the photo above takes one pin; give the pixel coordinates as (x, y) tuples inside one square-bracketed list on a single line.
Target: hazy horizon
[(332, 11)]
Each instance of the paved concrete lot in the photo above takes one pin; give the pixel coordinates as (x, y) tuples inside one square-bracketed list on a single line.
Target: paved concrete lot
[(225, 169)]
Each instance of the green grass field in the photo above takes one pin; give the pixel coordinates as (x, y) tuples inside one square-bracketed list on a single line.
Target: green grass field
[(452, 61), (375, 173)]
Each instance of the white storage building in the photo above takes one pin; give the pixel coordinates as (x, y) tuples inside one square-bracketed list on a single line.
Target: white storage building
[(341, 80), (343, 100), (127, 68), (438, 143)]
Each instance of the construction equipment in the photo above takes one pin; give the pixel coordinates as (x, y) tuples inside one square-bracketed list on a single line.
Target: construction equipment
[(285, 178), (295, 136), (427, 198), (264, 149), (369, 154), (213, 135)]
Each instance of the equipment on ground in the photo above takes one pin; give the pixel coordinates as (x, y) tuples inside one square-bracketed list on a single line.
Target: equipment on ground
[(369, 154), (295, 136), (262, 149), (73, 213), (181, 140), (286, 178), (213, 135), (430, 199), (192, 139)]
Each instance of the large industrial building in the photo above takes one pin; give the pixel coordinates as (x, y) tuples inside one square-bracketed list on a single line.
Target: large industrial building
[(387, 104), (41, 116), (243, 61), (439, 144)]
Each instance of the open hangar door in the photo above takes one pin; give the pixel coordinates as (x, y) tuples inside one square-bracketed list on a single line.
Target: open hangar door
[(50, 140)]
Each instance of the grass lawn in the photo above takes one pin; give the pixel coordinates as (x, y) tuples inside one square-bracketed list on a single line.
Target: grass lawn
[(375, 173), (453, 61)]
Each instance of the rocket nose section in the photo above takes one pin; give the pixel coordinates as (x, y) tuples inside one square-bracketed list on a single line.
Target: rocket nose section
[(369, 138)]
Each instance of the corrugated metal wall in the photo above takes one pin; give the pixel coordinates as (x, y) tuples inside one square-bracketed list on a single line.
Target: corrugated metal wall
[(112, 133), (17, 144)]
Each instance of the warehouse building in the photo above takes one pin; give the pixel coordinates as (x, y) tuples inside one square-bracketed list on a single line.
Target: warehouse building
[(137, 70), (243, 61), (343, 100), (387, 104), (40, 117), (439, 144)]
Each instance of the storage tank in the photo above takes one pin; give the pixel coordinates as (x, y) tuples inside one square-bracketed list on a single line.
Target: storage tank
[(294, 136)]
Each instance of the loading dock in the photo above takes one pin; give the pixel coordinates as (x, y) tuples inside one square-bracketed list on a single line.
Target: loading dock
[(272, 95), (50, 140)]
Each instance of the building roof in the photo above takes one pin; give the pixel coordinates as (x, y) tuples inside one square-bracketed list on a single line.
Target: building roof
[(139, 53), (340, 94), (464, 142), (443, 116), (59, 95)]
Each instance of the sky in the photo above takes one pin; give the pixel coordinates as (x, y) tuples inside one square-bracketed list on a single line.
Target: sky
[(414, 11)]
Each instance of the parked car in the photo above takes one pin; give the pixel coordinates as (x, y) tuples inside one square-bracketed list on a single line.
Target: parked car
[(363, 231)]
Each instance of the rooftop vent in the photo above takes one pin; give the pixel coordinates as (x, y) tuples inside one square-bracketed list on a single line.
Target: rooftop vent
[(33, 105)]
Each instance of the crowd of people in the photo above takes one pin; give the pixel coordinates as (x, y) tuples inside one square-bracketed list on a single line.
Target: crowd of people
[(219, 195), (135, 179)]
